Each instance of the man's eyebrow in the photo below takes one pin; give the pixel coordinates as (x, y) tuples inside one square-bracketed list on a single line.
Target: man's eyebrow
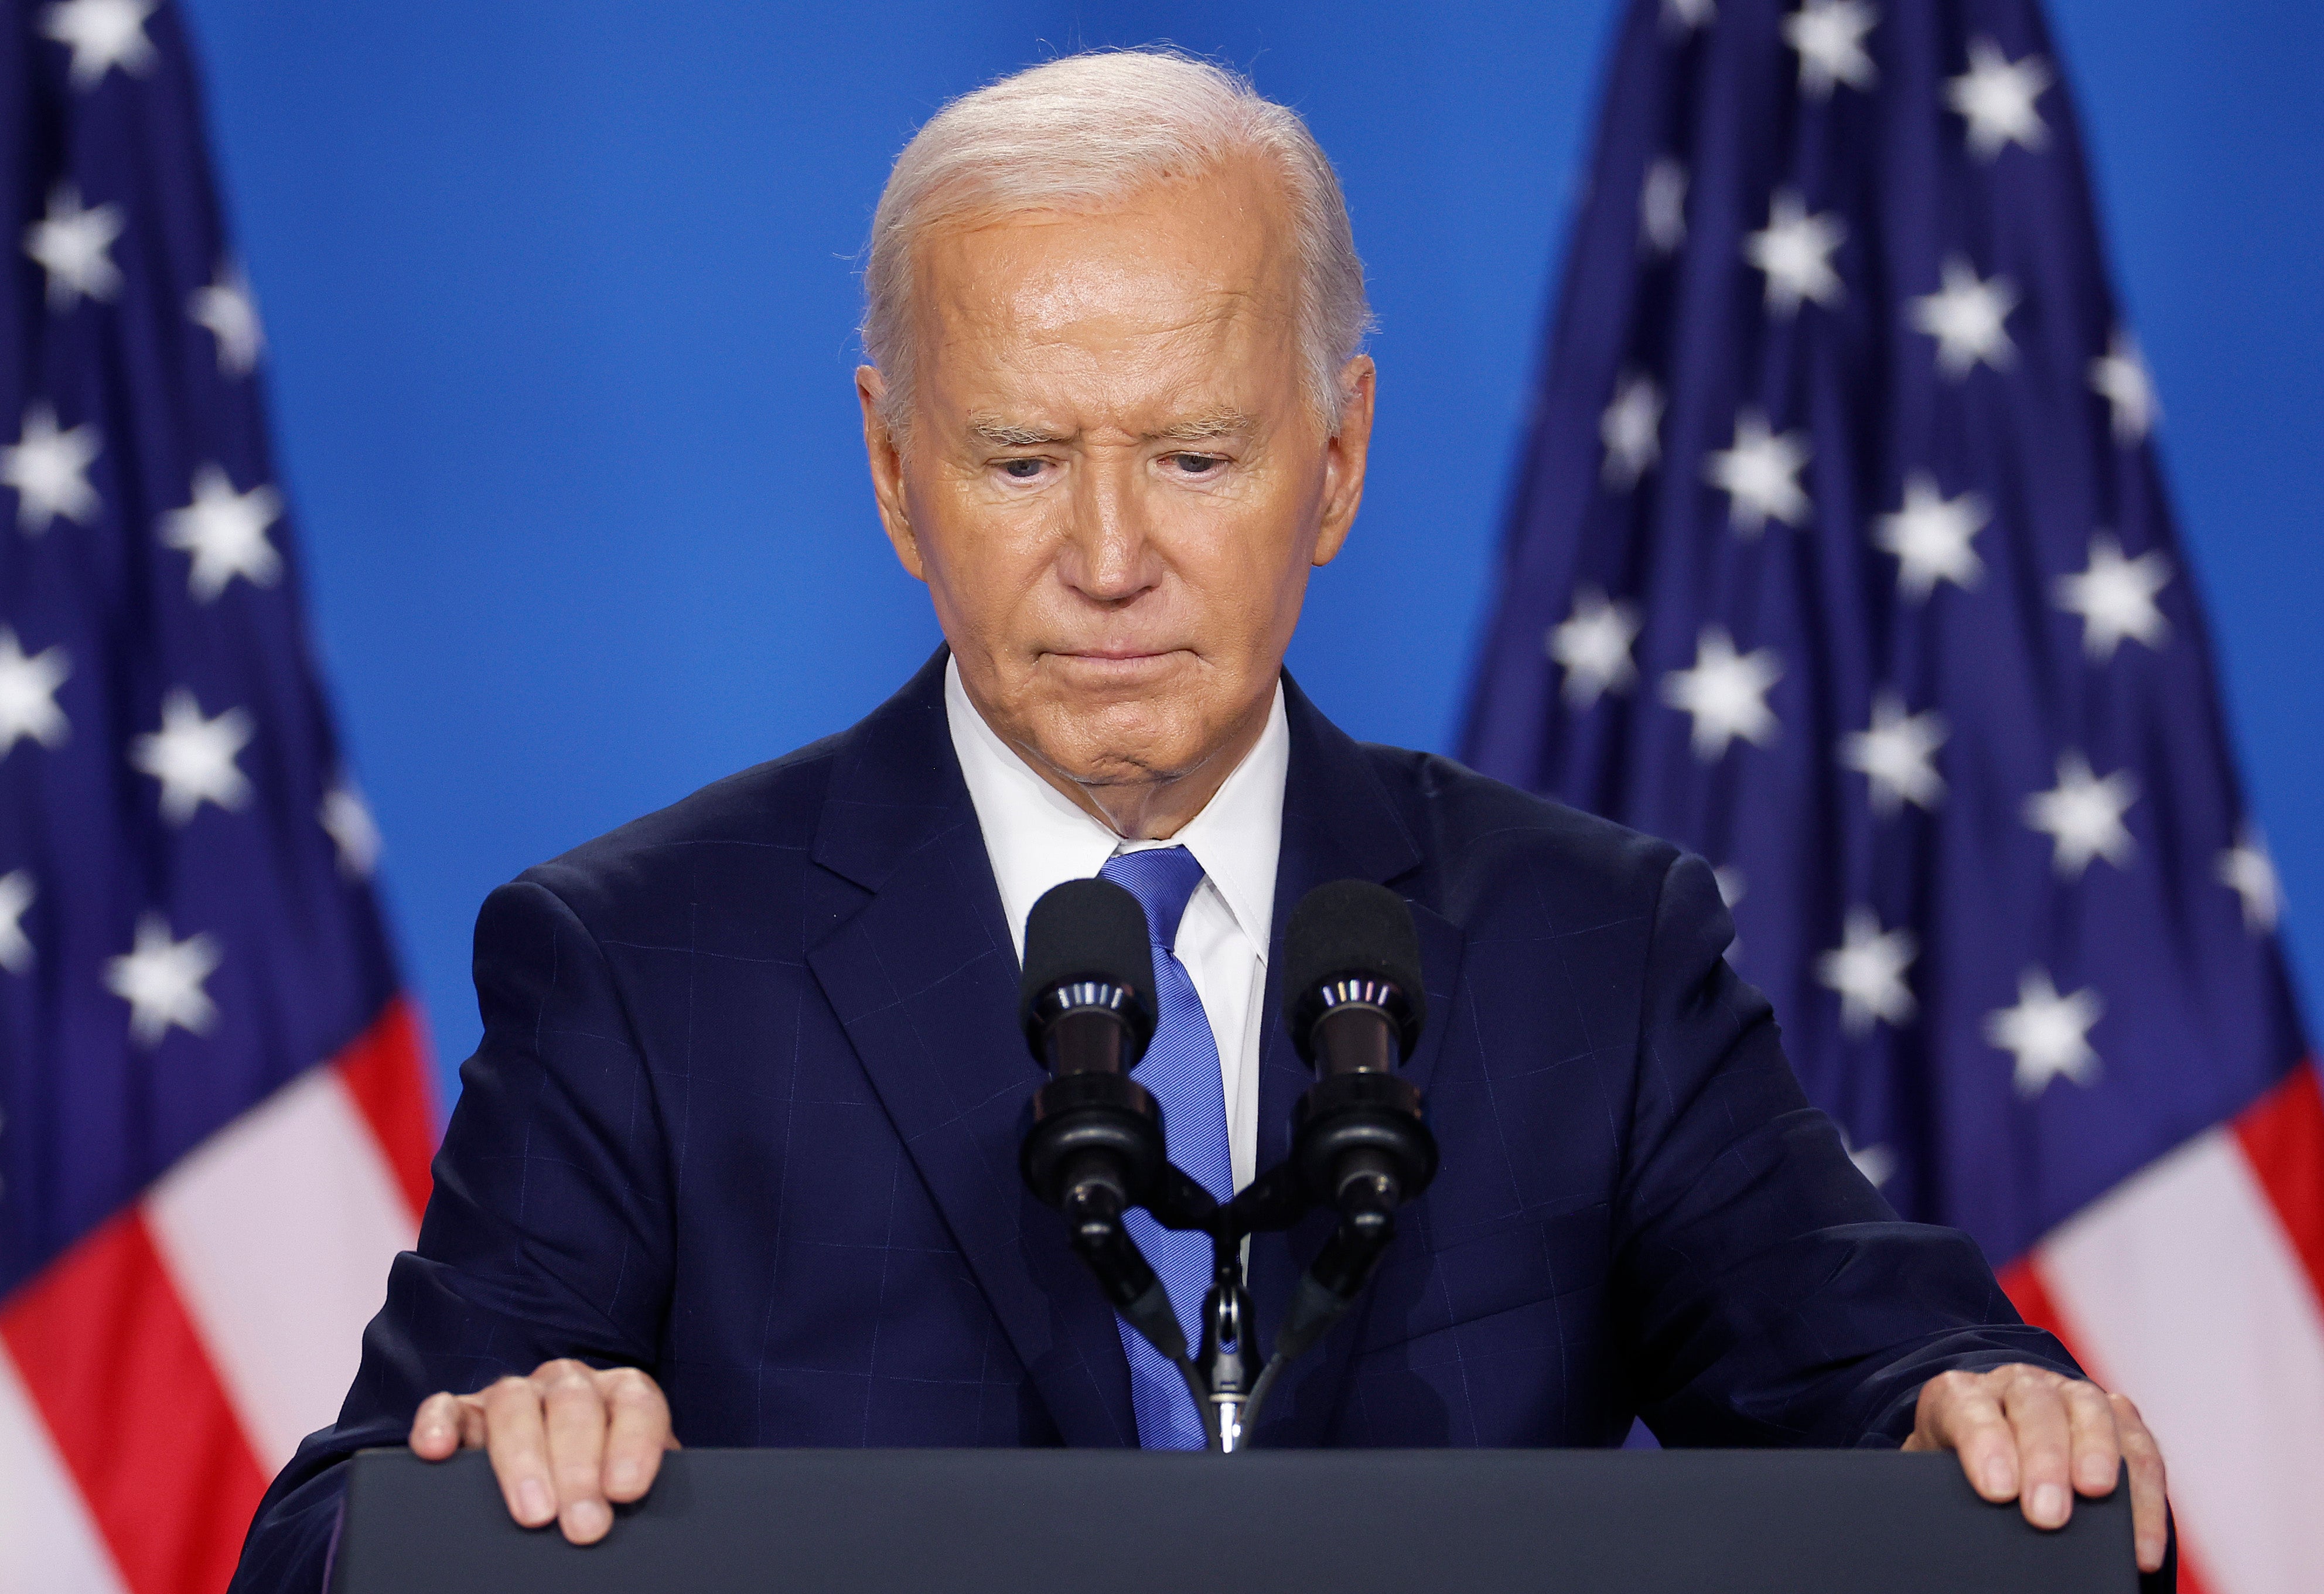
[(1216, 423), (1004, 434)]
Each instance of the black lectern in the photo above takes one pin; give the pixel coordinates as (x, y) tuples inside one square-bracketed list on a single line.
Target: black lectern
[(1331, 1522)]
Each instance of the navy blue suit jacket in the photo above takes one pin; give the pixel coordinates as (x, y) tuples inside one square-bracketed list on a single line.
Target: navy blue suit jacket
[(745, 1115)]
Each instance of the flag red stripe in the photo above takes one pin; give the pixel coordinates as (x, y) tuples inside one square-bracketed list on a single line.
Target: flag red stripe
[(386, 1070), (2282, 1136), (109, 1356)]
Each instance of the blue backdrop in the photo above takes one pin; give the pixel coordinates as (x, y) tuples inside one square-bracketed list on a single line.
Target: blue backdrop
[(561, 296)]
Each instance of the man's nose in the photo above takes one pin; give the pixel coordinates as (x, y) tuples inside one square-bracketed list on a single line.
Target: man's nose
[(1109, 555)]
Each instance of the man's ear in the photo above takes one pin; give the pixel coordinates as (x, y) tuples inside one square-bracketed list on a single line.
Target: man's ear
[(885, 455), (1347, 454)]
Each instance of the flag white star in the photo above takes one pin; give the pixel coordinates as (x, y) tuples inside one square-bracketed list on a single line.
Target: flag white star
[(1932, 537), (193, 757), (49, 469), (16, 894), (1996, 95), (1796, 253), (2115, 596), (1662, 206), (226, 307), (1684, 16), (1868, 970), (1896, 754), (1593, 645), (102, 34), (2247, 870), (1968, 316), (1829, 34), (2082, 814), (347, 817), (1727, 694), (2048, 1033), (1631, 430), (1878, 1164), (225, 533), (1760, 475), (28, 694), (72, 246), (2120, 377), (161, 978)]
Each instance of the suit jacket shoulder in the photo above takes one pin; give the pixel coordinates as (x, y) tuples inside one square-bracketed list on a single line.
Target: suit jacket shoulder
[(1487, 835), (771, 808)]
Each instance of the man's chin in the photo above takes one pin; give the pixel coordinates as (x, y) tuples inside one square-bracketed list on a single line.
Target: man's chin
[(1120, 766), (1103, 745)]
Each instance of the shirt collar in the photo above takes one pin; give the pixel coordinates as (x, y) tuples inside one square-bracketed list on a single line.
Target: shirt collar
[(1037, 838)]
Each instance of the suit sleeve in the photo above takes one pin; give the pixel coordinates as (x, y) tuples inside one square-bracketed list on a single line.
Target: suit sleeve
[(547, 1234), (1772, 1295)]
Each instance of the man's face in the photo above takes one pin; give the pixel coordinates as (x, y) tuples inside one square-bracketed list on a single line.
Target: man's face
[(1114, 484)]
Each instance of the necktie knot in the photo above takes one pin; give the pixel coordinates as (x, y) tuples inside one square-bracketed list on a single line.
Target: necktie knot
[(1163, 880)]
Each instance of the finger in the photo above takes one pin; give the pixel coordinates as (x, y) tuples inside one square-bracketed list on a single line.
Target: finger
[(574, 1415), (519, 1448), (637, 1434), (436, 1427), (2037, 1416), (2149, 1524), (2090, 1425), (474, 1431), (1960, 1412)]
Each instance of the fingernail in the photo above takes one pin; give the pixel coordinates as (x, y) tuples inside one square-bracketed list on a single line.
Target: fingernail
[(2050, 1506), (586, 1519), (1997, 1478), (532, 1500), (621, 1475)]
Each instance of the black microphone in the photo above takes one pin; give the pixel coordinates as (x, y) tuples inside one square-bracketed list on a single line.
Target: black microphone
[(1351, 977), (1352, 990), (1095, 1147), (1087, 1001)]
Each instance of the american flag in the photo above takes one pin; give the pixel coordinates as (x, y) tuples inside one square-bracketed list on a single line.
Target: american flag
[(216, 1122), (1842, 554)]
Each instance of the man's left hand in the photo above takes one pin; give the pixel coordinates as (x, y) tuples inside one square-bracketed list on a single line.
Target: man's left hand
[(2028, 1434)]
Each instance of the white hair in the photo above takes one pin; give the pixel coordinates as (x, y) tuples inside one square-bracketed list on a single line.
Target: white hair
[(1089, 131)]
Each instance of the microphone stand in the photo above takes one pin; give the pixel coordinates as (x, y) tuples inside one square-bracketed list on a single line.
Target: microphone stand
[(1224, 1375)]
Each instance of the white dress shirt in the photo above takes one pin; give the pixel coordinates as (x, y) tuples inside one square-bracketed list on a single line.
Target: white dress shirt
[(1037, 838)]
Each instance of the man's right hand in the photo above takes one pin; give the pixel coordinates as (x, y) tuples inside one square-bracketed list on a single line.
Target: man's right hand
[(568, 1443)]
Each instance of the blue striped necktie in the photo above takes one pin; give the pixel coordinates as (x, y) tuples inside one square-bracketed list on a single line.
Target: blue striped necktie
[(1181, 1068)]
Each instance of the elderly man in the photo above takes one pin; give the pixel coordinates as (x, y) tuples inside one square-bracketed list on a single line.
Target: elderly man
[(736, 1159)]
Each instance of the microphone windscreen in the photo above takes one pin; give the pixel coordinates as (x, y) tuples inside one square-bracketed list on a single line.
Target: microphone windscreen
[(1353, 927), (1086, 929)]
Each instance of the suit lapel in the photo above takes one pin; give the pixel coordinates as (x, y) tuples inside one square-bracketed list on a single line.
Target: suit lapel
[(1338, 824), (924, 979)]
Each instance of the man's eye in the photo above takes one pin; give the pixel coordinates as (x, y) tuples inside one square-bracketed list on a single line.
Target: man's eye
[(1022, 470), (1198, 465)]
